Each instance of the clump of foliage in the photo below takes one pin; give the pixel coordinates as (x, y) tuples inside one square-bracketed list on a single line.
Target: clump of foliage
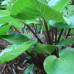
[(54, 20)]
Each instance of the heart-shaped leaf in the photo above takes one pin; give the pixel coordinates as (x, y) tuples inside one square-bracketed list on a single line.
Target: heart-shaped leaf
[(62, 65), (33, 9)]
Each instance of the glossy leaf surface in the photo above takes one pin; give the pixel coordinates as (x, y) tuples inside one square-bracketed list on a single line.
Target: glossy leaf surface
[(13, 51), (33, 9), (62, 65)]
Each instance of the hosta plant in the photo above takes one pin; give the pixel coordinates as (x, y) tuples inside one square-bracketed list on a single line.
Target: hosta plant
[(39, 16)]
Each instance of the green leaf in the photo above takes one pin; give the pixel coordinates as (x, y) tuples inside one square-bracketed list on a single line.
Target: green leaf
[(71, 19), (4, 29), (59, 6), (17, 24), (72, 32), (43, 1), (16, 38), (29, 69), (1, 7), (6, 19), (44, 48), (13, 51), (43, 28), (62, 65), (60, 25), (66, 42), (33, 9), (4, 13), (12, 21), (28, 35), (1, 25), (30, 21), (70, 9), (65, 12)]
